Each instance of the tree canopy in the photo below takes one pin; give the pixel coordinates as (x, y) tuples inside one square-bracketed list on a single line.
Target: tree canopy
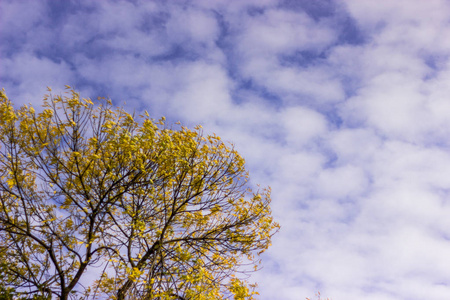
[(98, 203)]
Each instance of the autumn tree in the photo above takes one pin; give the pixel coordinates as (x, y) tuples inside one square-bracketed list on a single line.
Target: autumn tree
[(153, 212)]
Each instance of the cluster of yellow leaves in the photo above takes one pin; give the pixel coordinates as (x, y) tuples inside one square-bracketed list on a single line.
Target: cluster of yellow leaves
[(241, 290)]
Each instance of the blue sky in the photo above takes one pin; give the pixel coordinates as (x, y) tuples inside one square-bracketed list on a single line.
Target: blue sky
[(342, 107)]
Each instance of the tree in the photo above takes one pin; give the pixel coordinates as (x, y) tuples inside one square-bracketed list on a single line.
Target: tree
[(157, 213)]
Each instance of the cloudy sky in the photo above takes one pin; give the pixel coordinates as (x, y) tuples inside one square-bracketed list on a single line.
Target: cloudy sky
[(342, 107)]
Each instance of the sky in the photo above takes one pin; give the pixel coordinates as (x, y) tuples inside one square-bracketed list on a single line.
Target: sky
[(341, 106)]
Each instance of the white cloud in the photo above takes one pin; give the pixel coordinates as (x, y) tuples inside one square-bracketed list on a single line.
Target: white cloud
[(19, 17), (187, 25), (202, 92), (302, 125), (266, 39), (356, 145), (411, 21), (31, 75), (391, 103), (279, 31), (341, 182)]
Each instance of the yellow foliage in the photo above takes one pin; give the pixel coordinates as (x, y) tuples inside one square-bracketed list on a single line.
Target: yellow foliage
[(162, 211)]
